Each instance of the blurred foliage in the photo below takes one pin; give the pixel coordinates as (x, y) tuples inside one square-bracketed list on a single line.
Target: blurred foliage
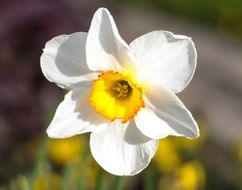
[(225, 15), (179, 164)]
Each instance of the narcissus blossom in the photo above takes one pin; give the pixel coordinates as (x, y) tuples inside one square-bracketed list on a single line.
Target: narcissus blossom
[(123, 94)]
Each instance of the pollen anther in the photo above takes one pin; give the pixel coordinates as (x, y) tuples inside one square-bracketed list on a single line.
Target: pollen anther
[(122, 89)]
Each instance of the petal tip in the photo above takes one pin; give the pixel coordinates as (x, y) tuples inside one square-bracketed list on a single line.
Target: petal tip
[(58, 135), (102, 9), (50, 134), (196, 134)]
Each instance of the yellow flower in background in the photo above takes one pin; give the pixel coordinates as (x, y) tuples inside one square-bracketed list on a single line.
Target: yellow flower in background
[(63, 151), (190, 176), (166, 158)]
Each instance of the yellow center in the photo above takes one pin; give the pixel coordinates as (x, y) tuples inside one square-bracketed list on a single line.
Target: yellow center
[(116, 96)]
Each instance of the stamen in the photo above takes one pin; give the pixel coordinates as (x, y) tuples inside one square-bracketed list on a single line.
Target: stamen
[(122, 89)]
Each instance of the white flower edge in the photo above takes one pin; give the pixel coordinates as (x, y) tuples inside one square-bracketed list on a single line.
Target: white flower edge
[(165, 59), (105, 49), (63, 61), (122, 149), (75, 116), (164, 115)]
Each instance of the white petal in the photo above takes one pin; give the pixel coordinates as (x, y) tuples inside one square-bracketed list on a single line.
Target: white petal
[(74, 116), (165, 115), (106, 50), (165, 59), (64, 60), (122, 149)]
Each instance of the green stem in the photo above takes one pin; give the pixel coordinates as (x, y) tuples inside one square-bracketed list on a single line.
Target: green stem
[(100, 180), (41, 160), (67, 176), (82, 183), (117, 183), (149, 179)]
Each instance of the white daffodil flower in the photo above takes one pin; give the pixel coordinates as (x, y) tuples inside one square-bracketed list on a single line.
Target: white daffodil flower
[(123, 94)]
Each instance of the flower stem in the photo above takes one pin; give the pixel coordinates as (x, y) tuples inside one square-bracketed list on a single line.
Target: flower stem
[(149, 182), (117, 183), (100, 180)]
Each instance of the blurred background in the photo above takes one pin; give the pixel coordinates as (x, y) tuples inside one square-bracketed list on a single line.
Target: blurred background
[(31, 161)]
